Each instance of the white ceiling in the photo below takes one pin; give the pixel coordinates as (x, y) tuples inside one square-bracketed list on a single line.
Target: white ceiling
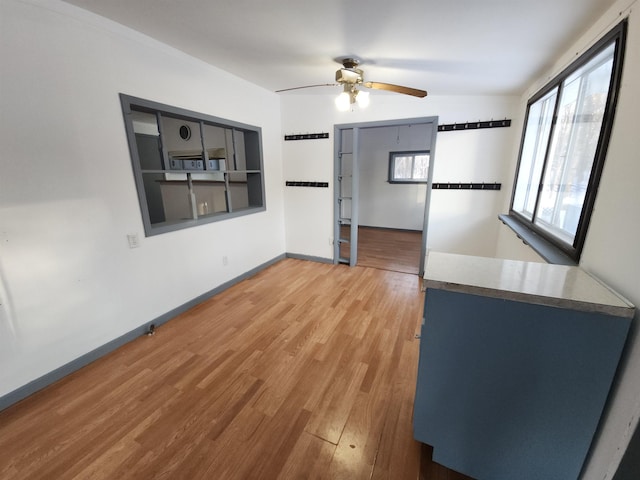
[(463, 47)]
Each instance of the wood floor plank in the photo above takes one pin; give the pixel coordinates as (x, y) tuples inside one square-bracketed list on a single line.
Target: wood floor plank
[(105, 466), (386, 248), (79, 441), (330, 417), (403, 454), (304, 370), (63, 436), (309, 459), (357, 449)]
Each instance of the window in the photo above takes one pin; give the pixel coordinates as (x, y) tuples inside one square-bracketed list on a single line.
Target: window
[(191, 168), (408, 167), (564, 146)]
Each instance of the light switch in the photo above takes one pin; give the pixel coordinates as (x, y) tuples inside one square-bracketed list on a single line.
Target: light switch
[(134, 242)]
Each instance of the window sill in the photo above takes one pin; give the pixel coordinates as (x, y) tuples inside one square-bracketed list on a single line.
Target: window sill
[(549, 252)]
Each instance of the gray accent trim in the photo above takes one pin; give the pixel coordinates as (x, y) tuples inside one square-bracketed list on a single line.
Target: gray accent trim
[(355, 198), (389, 123), (549, 252), (427, 200), (337, 185), (311, 258), (60, 372)]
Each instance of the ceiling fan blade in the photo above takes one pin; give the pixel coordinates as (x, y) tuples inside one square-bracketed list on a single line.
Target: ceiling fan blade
[(396, 88), (308, 86)]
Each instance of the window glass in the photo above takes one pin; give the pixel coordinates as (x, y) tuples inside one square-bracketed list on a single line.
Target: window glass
[(421, 167), (402, 168), (580, 115), (534, 149), (408, 167)]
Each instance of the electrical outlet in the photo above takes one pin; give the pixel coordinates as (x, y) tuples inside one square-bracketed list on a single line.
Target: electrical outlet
[(225, 260), (133, 240)]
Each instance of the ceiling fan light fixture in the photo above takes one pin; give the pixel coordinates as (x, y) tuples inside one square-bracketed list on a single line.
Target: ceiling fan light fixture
[(343, 101), (362, 99), (351, 95)]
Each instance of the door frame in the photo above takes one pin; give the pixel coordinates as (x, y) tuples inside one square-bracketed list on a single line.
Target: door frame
[(337, 145)]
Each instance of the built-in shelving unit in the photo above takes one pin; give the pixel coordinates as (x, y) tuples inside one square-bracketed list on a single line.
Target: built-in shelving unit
[(191, 168)]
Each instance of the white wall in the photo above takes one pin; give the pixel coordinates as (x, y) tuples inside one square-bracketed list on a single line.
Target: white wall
[(611, 250), (460, 221), (68, 281), (384, 204)]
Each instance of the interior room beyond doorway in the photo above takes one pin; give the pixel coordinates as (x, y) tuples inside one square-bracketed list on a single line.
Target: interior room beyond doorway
[(388, 249), (386, 207)]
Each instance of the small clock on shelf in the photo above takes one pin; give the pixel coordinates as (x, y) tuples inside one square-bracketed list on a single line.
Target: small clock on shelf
[(185, 132)]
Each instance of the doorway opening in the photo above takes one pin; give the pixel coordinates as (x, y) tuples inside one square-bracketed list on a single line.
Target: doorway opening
[(382, 178)]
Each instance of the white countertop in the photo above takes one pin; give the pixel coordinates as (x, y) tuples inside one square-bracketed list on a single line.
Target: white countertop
[(530, 282)]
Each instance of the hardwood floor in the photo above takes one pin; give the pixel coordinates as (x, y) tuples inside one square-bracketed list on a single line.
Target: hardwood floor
[(305, 370), (388, 249)]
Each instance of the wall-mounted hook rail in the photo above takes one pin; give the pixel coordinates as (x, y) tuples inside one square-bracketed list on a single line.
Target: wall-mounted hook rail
[(466, 186), (306, 136), (450, 127), (290, 183)]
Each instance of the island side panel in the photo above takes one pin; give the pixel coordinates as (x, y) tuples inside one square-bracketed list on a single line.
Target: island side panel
[(509, 388)]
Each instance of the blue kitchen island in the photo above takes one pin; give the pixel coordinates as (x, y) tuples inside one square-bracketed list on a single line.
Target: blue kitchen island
[(516, 362)]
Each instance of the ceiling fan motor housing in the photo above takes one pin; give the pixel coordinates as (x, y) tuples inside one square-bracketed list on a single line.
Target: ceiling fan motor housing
[(351, 76)]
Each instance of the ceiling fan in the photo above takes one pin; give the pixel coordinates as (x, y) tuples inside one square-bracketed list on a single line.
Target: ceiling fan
[(351, 77)]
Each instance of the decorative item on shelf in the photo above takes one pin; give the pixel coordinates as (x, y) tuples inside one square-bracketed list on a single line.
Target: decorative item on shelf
[(186, 162), (466, 186), (449, 127), (193, 159), (193, 165), (306, 136), (185, 132), (214, 164), (215, 159), (203, 208)]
